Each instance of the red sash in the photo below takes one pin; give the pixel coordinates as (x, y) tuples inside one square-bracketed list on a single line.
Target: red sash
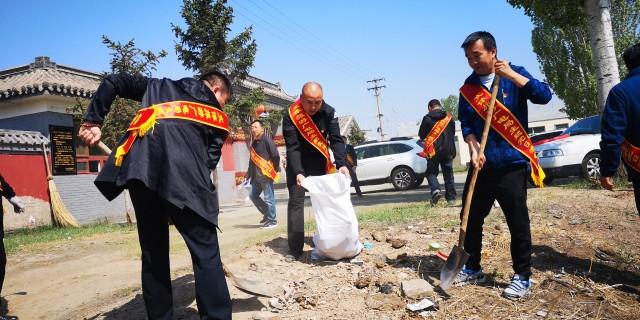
[(631, 155), (438, 128), (506, 124), (310, 132), (266, 167), (145, 120)]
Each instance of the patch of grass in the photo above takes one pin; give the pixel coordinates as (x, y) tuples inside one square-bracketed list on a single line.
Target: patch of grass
[(592, 184), (399, 214), (20, 239)]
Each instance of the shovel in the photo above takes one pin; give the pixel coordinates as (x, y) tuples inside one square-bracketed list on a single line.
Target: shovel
[(250, 286), (458, 257)]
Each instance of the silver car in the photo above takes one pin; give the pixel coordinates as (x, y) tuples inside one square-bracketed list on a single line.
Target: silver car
[(396, 162)]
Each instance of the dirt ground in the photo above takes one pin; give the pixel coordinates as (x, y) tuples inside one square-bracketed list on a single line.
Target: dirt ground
[(586, 260)]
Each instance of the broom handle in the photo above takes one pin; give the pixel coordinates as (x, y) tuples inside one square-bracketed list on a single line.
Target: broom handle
[(104, 147), (474, 177), (46, 160)]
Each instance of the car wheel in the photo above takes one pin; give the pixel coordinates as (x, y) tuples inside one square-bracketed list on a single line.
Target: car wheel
[(402, 178), (591, 166), (417, 183)]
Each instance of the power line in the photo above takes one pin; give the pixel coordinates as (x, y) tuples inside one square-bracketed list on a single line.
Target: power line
[(376, 92)]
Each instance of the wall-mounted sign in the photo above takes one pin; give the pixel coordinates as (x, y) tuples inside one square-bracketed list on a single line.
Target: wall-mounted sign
[(63, 150)]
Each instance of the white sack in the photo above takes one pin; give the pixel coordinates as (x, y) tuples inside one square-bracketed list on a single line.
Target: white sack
[(337, 235)]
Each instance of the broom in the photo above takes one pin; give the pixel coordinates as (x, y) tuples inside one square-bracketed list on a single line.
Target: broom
[(61, 215)]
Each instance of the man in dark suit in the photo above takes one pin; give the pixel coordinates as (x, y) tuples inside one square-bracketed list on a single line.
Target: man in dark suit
[(264, 164), (309, 127), (165, 161)]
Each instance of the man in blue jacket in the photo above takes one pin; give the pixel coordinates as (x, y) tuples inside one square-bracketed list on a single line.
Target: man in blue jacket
[(165, 161), (621, 126), (504, 166)]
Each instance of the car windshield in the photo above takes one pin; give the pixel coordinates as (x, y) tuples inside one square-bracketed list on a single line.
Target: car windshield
[(590, 125)]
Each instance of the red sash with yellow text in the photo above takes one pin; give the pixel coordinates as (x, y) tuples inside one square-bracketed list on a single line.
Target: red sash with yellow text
[(438, 128), (631, 155), (310, 132), (265, 166), (146, 118), (506, 124)]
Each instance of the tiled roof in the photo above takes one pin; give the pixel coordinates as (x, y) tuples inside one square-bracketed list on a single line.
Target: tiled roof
[(19, 137), (45, 77), (345, 123), (272, 89)]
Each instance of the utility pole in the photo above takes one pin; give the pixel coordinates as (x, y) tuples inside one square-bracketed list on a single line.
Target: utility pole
[(376, 92)]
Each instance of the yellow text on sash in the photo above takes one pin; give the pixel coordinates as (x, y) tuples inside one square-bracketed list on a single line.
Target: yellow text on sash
[(310, 132), (429, 150), (631, 155), (265, 166)]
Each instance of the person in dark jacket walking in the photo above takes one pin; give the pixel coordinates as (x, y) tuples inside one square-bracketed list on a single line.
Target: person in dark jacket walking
[(352, 164), (445, 150), (264, 165), (6, 191), (621, 126), (165, 161), (310, 128)]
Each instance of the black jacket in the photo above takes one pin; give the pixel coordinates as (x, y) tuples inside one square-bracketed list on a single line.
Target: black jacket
[(445, 144), (174, 159), (304, 158), (5, 191), (265, 148)]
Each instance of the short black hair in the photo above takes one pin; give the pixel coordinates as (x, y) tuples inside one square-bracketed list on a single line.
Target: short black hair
[(434, 102), (258, 121), (631, 56), (487, 39), (220, 78)]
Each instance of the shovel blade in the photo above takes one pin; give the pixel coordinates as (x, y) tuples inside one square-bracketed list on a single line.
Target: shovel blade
[(456, 260)]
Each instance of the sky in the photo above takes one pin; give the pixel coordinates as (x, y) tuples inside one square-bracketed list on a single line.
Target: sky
[(413, 44)]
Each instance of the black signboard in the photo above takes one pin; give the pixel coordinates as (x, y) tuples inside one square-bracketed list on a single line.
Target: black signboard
[(63, 151)]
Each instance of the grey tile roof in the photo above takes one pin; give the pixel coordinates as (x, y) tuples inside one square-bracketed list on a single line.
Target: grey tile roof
[(272, 89), (46, 77), (345, 123), (19, 137)]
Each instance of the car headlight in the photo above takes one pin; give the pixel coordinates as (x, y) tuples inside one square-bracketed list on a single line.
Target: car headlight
[(550, 153)]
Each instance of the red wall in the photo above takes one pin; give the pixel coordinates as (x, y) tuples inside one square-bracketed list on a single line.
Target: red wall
[(228, 162), (26, 174)]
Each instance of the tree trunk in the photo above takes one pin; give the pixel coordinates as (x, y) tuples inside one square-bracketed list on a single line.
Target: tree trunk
[(604, 54)]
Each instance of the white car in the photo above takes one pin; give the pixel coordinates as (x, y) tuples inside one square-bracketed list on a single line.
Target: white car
[(576, 152), (396, 162)]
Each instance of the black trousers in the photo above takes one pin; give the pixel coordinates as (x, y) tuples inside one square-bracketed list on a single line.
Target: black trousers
[(433, 168), (295, 210), (509, 187), (212, 294), (354, 181), (3, 253)]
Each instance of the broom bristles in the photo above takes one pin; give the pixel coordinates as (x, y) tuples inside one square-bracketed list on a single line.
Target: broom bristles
[(60, 213)]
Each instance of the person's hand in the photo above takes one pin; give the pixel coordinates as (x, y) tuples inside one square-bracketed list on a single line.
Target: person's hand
[(18, 206), (90, 135), (345, 171), (300, 178), (606, 182), (477, 161), (503, 69)]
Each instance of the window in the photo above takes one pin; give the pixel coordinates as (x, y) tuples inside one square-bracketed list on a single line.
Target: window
[(590, 125), (399, 148), (562, 126), (534, 130), (368, 152)]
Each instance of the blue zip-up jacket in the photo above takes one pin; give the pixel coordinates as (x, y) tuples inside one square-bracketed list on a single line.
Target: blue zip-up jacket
[(620, 120), (498, 151)]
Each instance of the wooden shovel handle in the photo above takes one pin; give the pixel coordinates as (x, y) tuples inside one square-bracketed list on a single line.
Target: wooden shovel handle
[(104, 147), (474, 177)]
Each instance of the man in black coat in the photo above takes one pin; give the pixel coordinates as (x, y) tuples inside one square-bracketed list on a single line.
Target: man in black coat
[(352, 163), (262, 178), (165, 162), (304, 158), (18, 207), (445, 151)]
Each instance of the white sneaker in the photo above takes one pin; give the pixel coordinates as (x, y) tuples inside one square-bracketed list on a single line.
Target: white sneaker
[(518, 288), (468, 276)]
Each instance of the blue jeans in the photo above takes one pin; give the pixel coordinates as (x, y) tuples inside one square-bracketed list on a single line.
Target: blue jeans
[(267, 206), (433, 169)]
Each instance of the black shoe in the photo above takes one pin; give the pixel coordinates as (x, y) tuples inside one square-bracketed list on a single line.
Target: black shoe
[(8, 318), (264, 220)]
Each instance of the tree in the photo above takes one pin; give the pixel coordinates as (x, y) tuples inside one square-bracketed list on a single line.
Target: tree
[(203, 45), (450, 104), (356, 136), (563, 43), (124, 58)]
